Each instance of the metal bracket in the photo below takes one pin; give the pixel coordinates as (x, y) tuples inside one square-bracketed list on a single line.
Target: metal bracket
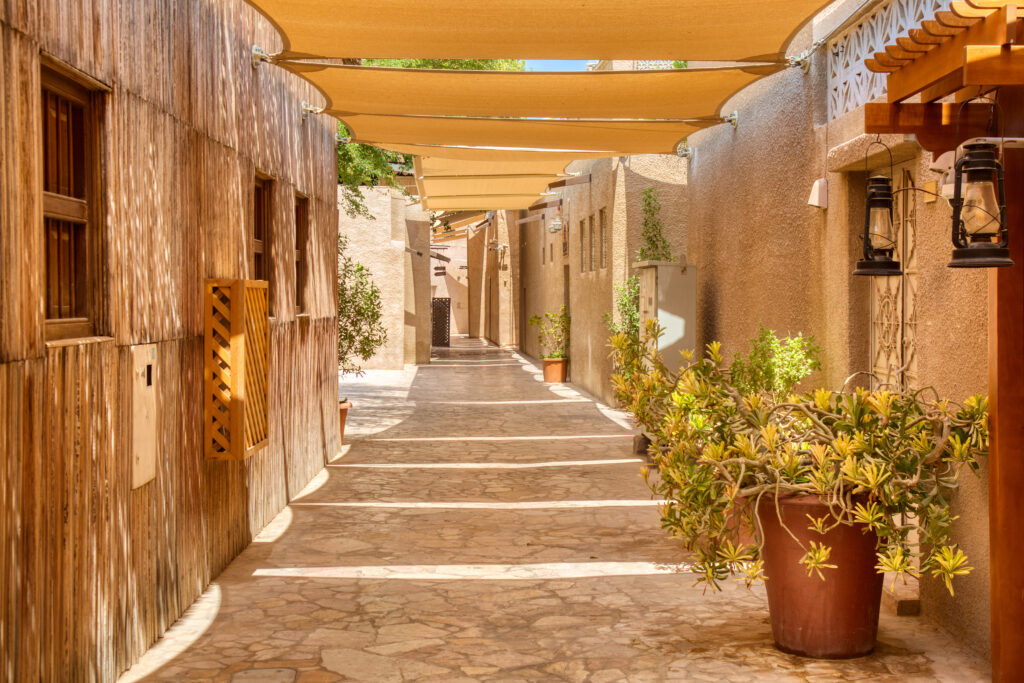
[(684, 151), (1005, 143), (733, 118), (342, 141), (259, 55), (803, 60), (308, 109)]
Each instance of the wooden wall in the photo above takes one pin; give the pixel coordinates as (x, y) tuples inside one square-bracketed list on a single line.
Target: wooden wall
[(92, 572)]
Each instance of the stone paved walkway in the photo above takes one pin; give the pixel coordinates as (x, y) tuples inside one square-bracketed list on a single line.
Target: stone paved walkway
[(485, 526)]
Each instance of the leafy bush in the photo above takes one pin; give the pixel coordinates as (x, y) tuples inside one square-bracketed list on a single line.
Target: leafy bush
[(360, 330), (553, 333), (627, 305), (887, 460), (654, 246), (775, 365)]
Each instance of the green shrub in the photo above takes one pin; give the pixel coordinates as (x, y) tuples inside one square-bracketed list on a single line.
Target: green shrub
[(552, 333), (360, 330)]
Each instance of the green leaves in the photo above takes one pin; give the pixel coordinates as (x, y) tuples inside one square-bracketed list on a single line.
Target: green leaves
[(360, 328), (654, 246), (886, 461), (816, 558), (627, 306), (775, 365), (553, 333)]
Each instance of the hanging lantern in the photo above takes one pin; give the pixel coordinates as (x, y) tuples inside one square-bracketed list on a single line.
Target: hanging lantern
[(980, 237), (879, 232)]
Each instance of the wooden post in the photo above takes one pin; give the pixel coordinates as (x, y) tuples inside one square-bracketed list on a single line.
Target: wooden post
[(1006, 391)]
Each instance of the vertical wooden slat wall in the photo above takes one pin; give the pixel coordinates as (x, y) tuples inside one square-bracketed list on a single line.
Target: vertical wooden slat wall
[(91, 571)]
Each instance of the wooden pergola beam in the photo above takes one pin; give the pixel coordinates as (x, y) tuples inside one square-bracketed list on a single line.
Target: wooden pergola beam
[(999, 28), (934, 124)]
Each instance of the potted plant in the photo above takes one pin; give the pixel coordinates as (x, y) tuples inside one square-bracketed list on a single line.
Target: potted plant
[(553, 337), (817, 494), (360, 329)]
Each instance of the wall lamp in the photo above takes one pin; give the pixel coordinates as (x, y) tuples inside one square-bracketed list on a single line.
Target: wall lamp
[(979, 232), (980, 237)]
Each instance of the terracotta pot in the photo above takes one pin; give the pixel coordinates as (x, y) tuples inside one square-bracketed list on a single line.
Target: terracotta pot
[(832, 619), (555, 369), (343, 414)]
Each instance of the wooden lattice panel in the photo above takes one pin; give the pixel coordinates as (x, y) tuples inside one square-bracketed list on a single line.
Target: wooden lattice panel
[(236, 359)]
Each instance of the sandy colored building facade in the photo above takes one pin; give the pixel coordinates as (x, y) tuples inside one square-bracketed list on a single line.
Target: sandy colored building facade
[(738, 209), (393, 242), (453, 284)]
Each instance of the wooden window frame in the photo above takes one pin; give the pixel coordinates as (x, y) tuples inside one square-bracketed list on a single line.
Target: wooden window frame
[(603, 223), (592, 264), (85, 210), (302, 220), (261, 245), (583, 245)]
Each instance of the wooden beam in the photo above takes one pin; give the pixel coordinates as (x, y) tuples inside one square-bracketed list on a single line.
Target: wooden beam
[(994, 65), (576, 180), (1006, 393), (935, 124), (550, 204), (531, 219), (996, 29)]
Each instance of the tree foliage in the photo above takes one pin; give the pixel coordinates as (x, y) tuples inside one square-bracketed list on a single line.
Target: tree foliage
[(360, 329), (627, 306), (654, 246), (365, 165)]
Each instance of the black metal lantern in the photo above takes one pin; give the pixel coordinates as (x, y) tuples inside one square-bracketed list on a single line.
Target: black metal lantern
[(980, 236), (879, 232)]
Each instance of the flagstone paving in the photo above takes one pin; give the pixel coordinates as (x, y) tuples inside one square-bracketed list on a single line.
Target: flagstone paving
[(484, 526)]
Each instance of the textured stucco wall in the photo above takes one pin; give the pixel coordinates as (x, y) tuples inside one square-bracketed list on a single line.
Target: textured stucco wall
[(454, 284), (765, 256), (379, 243), (616, 186)]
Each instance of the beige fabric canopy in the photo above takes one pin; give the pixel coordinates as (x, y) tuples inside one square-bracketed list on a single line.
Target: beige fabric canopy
[(747, 30), (487, 153), (438, 177), (482, 202), (613, 137), (654, 94), (439, 166)]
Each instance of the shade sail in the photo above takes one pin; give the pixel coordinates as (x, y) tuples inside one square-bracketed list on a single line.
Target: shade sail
[(623, 137), (539, 29), (665, 94), (447, 187), (438, 166), (482, 202), (488, 153)]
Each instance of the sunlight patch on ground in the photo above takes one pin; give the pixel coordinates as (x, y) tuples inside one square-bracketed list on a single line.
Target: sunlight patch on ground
[(278, 526), (196, 620), (522, 402), (546, 437), (485, 572), (481, 505), (489, 465)]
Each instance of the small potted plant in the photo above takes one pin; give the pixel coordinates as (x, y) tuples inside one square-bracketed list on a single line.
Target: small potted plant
[(816, 494), (360, 329), (553, 337)]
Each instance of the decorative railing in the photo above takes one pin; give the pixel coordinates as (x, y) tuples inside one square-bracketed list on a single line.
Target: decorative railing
[(851, 84), (236, 357)]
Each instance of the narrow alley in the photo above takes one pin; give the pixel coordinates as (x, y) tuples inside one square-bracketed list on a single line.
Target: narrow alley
[(482, 525)]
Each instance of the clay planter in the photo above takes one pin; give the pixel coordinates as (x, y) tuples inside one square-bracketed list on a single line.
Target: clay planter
[(343, 414), (832, 619), (555, 369)]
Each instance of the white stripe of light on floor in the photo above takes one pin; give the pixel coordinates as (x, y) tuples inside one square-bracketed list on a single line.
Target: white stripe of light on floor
[(486, 572), (574, 437), (487, 465), (480, 505), (522, 402)]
